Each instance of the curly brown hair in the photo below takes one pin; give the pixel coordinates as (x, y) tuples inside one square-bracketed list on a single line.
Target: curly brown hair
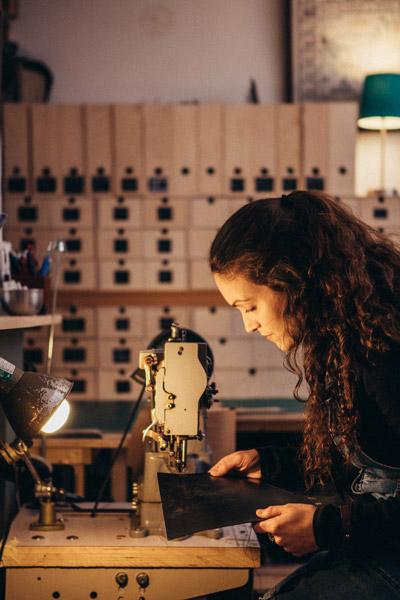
[(342, 283)]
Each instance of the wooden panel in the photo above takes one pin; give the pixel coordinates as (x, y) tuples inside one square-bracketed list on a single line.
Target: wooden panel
[(157, 147), (315, 144), (184, 150), (70, 136), (288, 144), (200, 297), (211, 148), (16, 158), (45, 149), (237, 149), (262, 151), (342, 147), (99, 148), (128, 148)]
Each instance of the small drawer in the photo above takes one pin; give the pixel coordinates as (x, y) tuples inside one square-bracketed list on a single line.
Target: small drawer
[(200, 276), (77, 320), (165, 275), (212, 320), (78, 242), (84, 382), (265, 354), (29, 237), (120, 212), (380, 211), (121, 274), (208, 211), (160, 318), (166, 212), (120, 321), (72, 211), (200, 241), (117, 384), (119, 352), (78, 273), (164, 243), (75, 352), (25, 211), (120, 243), (230, 353), (35, 352)]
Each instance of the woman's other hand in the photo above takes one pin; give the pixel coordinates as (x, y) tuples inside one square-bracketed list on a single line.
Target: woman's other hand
[(291, 526), (244, 461)]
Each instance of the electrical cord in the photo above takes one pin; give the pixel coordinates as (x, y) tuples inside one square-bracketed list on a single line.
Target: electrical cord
[(118, 449)]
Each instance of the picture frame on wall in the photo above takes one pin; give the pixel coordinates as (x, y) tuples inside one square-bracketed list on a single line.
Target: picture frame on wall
[(336, 43)]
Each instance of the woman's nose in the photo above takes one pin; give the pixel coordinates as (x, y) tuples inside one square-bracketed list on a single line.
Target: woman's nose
[(250, 324)]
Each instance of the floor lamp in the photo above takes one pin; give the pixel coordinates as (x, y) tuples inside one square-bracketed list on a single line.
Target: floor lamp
[(380, 110)]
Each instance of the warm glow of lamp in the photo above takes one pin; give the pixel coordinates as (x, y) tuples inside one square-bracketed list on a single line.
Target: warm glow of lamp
[(380, 109), (58, 418)]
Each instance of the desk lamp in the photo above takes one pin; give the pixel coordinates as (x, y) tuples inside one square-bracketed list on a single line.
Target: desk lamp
[(33, 402), (380, 109)]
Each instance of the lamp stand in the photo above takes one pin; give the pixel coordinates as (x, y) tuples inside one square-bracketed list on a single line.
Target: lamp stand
[(45, 492), (383, 138)]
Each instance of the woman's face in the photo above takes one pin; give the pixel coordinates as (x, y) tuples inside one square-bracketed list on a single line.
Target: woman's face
[(261, 307)]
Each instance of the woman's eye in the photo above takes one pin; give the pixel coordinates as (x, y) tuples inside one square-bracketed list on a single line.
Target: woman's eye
[(249, 310)]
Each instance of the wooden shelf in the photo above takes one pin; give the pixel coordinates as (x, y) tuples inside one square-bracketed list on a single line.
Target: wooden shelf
[(22, 322), (112, 298)]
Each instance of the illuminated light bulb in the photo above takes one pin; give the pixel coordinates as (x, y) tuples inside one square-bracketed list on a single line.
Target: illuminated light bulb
[(58, 418), (378, 123)]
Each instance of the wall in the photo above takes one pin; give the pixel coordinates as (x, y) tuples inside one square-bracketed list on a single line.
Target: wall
[(156, 50)]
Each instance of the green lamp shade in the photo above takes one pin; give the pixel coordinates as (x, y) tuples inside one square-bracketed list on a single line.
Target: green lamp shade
[(380, 102)]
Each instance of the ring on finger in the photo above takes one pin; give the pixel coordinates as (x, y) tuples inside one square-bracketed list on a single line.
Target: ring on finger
[(271, 537)]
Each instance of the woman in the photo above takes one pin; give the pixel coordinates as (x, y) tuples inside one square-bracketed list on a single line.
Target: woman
[(313, 279)]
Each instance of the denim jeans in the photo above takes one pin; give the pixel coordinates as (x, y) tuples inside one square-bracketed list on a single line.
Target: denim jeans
[(336, 576), (343, 574)]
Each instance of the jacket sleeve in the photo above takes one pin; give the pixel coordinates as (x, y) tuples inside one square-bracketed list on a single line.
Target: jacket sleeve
[(374, 522)]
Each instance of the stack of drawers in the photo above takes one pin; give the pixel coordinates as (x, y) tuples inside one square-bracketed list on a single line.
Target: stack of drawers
[(138, 192)]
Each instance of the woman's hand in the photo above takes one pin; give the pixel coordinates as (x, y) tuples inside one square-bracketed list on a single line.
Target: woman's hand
[(291, 525), (245, 461)]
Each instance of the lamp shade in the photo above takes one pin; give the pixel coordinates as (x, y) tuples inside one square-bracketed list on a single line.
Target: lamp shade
[(29, 399), (380, 102)]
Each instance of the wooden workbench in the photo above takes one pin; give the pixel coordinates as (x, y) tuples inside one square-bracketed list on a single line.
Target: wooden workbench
[(92, 551)]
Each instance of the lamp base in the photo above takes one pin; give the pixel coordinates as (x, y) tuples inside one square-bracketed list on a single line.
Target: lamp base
[(48, 520), (38, 526)]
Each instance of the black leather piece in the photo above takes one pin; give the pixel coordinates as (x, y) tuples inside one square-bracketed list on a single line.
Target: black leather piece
[(199, 502)]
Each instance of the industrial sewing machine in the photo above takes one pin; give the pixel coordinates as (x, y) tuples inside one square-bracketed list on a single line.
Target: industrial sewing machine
[(177, 379), (97, 556)]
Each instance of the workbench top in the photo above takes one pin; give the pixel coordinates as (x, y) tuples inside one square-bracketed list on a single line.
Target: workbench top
[(104, 541)]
